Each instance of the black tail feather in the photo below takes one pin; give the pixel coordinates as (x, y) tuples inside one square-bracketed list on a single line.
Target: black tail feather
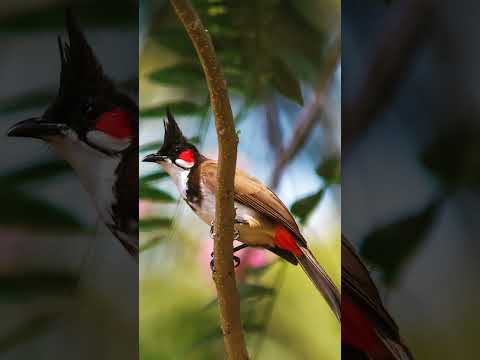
[(321, 280)]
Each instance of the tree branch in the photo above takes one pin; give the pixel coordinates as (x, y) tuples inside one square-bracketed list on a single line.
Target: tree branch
[(309, 115), (402, 34), (224, 275)]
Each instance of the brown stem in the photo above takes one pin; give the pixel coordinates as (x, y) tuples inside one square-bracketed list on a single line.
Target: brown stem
[(224, 275), (309, 115)]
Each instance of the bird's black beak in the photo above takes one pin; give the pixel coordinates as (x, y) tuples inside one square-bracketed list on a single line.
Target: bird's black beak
[(35, 128), (154, 158)]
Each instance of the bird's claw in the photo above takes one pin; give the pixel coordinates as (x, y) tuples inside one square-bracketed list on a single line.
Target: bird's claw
[(236, 233), (236, 262), (212, 229)]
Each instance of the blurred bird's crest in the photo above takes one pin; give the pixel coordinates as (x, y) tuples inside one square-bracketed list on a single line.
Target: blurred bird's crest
[(81, 73)]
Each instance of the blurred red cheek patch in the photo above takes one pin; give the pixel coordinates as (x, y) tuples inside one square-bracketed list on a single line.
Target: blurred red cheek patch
[(187, 156), (115, 123)]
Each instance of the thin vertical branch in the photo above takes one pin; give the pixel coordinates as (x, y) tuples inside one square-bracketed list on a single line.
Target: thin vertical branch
[(309, 115), (224, 275)]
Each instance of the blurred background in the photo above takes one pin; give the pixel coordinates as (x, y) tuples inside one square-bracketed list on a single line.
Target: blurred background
[(411, 174), (67, 289), (281, 60)]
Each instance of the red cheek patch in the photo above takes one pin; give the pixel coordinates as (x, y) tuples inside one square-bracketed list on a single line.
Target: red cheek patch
[(115, 123), (286, 241), (187, 156)]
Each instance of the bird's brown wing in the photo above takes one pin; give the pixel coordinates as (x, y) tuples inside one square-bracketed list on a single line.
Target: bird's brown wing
[(252, 193), (357, 282)]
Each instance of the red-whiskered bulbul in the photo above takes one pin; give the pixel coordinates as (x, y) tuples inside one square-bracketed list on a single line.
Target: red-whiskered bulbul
[(261, 217), (94, 127), (368, 330)]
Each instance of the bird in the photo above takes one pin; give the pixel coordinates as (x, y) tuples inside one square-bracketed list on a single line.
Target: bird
[(368, 330), (94, 127), (261, 220)]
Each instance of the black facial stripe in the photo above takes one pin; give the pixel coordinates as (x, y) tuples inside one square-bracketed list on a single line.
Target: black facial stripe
[(194, 195)]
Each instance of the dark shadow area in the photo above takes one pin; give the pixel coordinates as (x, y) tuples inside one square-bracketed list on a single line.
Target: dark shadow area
[(68, 288), (411, 169)]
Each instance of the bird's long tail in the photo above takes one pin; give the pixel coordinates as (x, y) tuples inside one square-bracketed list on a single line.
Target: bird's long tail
[(320, 279), (368, 330)]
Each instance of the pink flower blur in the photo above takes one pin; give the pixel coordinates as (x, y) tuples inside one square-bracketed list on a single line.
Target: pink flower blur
[(144, 208)]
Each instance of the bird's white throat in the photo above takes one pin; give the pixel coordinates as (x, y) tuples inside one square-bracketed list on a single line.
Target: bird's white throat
[(178, 175), (95, 169)]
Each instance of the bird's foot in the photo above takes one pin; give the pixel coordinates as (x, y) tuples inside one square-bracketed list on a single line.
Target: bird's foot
[(236, 233), (236, 259), (212, 229)]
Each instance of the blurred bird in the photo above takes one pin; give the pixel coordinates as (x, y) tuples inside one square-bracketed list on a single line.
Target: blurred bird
[(93, 126), (261, 217), (368, 330)]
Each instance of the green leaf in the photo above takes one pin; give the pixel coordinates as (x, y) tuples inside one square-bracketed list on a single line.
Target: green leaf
[(152, 146), (44, 18), (389, 247), (36, 172), (26, 210), (286, 82), (149, 192), (207, 337), (303, 207), (258, 271), (176, 40), (185, 75), (26, 101), (453, 158), (179, 108), (154, 223), (330, 170), (155, 176), (247, 291), (151, 243)]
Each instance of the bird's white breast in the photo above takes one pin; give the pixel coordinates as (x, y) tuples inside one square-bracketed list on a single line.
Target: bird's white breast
[(178, 175)]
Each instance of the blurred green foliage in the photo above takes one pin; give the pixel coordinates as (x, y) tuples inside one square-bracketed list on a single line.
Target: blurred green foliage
[(329, 171), (42, 293), (452, 160)]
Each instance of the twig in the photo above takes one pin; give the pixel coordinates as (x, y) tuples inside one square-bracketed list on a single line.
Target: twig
[(309, 115), (273, 128), (403, 32), (224, 275)]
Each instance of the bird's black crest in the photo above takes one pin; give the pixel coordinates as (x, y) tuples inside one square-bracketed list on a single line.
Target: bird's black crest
[(173, 134), (81, 72)]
